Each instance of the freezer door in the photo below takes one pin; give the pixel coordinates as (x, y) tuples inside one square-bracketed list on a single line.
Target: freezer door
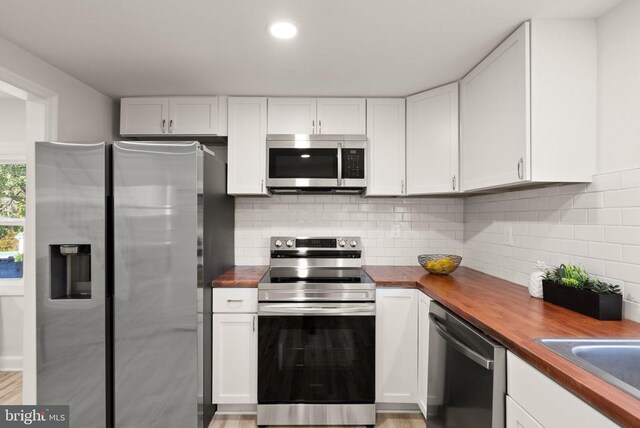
[(155, 284), (70, 279)]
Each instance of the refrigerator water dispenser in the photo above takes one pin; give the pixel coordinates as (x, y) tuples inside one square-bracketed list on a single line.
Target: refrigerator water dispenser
[(70, 271)]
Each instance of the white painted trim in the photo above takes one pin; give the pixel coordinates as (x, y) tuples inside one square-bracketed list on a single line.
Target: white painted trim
[(11, 287), (237, 409), (10, 363), (42, 124)]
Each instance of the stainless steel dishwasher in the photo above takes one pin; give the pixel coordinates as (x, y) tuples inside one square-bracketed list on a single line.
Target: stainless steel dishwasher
[(467, 374)]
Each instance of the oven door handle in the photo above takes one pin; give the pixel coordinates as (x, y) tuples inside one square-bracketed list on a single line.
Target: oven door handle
[(323, 309), (459, 346)]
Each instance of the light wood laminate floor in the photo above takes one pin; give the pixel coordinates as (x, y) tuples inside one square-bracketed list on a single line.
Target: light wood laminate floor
[(10, 388), (386, 420), (11, 393)]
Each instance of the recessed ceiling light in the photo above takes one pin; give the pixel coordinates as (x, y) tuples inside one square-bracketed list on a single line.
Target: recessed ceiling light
[(283, 30)]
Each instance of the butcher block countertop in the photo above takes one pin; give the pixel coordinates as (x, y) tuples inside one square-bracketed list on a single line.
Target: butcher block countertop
[(240, 277), (506, 312)]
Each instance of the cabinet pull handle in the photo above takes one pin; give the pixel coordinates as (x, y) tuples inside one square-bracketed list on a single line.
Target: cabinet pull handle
[(171, 126), (520, 169), (253, 324), (313, 126), (164, 123), (402, 187), (262, 186), (319, 127), (453, 182), (235, 300)]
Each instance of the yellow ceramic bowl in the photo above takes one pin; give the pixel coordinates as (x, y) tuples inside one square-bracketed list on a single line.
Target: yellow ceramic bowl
[(439, 264)]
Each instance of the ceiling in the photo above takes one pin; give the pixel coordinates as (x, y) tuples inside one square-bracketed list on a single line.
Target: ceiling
[(198, 47)]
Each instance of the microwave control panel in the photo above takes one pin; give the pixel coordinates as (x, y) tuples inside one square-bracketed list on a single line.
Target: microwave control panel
[(352, 163)]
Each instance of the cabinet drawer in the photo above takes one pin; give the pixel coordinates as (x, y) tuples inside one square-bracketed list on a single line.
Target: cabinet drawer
[(550, 404), (238, 300)]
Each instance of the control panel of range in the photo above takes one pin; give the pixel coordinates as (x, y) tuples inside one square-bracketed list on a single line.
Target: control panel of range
[(329, 244)]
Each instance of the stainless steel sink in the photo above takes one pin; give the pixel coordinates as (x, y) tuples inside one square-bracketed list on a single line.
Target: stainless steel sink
[(615, 361)]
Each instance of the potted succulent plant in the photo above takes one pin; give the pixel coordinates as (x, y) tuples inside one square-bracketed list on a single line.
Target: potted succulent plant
[(571, 287)]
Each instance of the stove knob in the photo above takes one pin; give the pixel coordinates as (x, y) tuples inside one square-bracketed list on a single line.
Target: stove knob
[(289, 243), (278, 243), (342, 243), (353, 243)]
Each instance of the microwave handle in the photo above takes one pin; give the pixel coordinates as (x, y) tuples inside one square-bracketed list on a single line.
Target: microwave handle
[(339, 163)]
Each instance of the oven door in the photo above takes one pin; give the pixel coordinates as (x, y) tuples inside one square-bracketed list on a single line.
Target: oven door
[(303, 164), (316, 353)]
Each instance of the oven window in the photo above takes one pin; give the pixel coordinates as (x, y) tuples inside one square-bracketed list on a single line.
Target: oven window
[(303, 163), (316, 359)]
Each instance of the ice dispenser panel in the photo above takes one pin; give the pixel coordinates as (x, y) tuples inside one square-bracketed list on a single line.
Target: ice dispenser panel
[(70, 271)]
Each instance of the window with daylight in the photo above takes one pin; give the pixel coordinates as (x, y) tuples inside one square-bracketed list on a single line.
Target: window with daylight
[(13, 179)]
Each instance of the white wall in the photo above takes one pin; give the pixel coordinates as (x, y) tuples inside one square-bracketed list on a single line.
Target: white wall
[(425, 225), (13, 125), (84, 113), (595, 225), (11, 313)]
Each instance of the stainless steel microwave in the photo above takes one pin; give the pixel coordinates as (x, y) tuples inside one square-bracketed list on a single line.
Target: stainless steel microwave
[(316, 163)]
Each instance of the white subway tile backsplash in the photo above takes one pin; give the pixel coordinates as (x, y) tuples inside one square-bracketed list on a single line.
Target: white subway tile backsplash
[(595, 225), (394, 230)]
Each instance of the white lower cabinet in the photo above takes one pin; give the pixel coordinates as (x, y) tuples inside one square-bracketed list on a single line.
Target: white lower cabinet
[(543, 403), (517, 417), (235, 358), (423, 350), (396, 345)]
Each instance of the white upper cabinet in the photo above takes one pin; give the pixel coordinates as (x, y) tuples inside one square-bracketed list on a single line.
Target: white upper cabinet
[(247, 146), (292, 116), (189, 116), (495, 116), (196, 116), (341, 116), (144, 116), (432, 141), (531, 105), (317, 116), (396, 345), (386, 150)]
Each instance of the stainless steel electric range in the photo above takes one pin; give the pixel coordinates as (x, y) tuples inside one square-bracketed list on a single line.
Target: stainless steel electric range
[(316, 334)]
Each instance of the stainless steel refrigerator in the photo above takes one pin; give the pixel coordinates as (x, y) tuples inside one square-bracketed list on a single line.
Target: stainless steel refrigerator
[(129, 236)]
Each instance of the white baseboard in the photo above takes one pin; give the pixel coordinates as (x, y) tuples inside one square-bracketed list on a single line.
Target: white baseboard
[(237, 409), (397, 408), (10, 363)]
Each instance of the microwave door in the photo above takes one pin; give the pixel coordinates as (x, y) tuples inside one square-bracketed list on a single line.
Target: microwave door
[(292, 164)]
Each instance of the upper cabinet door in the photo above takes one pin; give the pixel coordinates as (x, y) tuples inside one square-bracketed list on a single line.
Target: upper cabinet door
[(341, 116), (386, 149), (144, 116), (292, 116), (247, 146), (193, 115), (495, 116), (432, 141)]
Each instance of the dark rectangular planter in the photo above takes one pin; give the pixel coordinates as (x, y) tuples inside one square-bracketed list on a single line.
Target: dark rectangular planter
[(605, 307)]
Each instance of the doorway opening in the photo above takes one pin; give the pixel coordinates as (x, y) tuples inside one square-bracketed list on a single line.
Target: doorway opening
[(28, 113)]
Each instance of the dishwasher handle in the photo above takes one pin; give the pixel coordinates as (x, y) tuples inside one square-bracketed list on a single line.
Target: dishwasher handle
[(459, 346)]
